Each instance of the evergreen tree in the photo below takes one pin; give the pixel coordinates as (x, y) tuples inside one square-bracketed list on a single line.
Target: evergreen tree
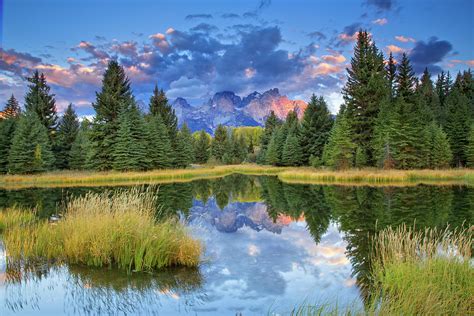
[(184, 147), (386, 131), (39, 99), (439, 153), (7, 130), (30, 151), (229, 157), (292, 154), (429, 96), (365, 89), (391, 75), (160, 152), (67, 133), (218, 145), (12, 108), (470, 148), (202, 147), (130, 147), (405, 80), (271, 123), (272, 152), (159, 106), (240, 149), (339, 151), (80, 148), (360, 158), (315, 128)]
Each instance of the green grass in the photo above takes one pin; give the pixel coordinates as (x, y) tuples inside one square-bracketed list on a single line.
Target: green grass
[(107, 230), (423, 273), (369, 176), (15, 216)]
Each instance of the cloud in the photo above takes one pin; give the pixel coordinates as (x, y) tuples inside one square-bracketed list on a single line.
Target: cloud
[(317, 35), (394, 49), (469, 63), (381, 21), (17, 62), (335, 59), (381, 5), (187, 88), (230, 16), (204, 27), (404, 39), (92, 50), (264, 4), (198, 16), (429, 54)]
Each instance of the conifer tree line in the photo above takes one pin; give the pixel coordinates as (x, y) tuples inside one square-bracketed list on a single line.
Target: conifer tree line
[(389, 119)]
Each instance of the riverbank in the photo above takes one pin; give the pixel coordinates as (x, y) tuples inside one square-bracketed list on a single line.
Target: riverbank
[(286, 174)]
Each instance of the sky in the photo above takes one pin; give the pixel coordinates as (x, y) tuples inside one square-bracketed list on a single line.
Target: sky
[(193, 49)]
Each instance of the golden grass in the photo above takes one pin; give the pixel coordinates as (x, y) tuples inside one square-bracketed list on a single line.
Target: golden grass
[(107, 230), (373, 177), (15, 216), (423, 272)]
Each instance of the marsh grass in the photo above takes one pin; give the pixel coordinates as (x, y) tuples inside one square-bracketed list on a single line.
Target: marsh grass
[(15, 216), (423, 272), (107, 229)]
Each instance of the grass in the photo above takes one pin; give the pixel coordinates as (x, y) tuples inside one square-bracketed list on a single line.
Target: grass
[(107, 230), (15, 216), (423, 272), (296, 175)]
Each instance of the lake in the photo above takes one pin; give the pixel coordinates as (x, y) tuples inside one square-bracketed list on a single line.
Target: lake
[(269, 246)]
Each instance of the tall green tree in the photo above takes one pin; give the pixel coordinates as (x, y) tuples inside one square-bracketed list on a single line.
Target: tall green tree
[(66, 135), (438, 153), (12, 108), (160, 152), (271, 124), (391, 75), (365, 89), (292, 154), (81, 148), (272, 154), (218, 145), (30, 151), (470, 148), (315, 128), (7, 130), (406, 80), (114, 98), (184, 146), (339, 151), (202, 146), (159, 106)]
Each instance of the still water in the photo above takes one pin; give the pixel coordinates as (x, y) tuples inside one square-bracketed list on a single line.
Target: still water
[(269, 246)]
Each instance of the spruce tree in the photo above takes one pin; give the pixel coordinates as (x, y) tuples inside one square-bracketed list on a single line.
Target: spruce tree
[(391, 74), (386, 130), (229, 157), (218, 145), (315, 128), (240, 149), (439, 153), (339, 151), (159, 106), (12, 108), (66, 135), (271, 123), (202, 147), (272, 154), (7, 130), (365, 89), (114, 98), (292, 154), (160, 152), (30, 151), (80, 148), (39, 99), (184, 147), (470, 148), (405, 80)]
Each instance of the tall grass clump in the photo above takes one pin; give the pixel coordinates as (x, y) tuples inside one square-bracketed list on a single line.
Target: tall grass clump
[(423, 272), (107, 229), (15, 216)]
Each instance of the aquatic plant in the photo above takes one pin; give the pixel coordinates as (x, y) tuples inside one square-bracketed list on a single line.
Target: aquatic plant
[(107, 229), (15, 216)]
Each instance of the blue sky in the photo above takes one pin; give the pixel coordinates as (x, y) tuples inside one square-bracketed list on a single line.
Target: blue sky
[(196, 48)]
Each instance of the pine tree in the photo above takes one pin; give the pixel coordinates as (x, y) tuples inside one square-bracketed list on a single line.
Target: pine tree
[(271, 123), (365, 89), (218, 145), (39, 99), (30, 151), (240, 149), (405, 80), (80, 148), (391, 75), (12, 108), (66, 135), (130, 148), (184, 147), (339, 151), (386, 129), (439, 153), (7, 130), (159, 106), (229, 157), (470, 148), (426, 92), (160, 152), (114, 98), (315, 128), (272, 152), (360, 158), (292, 154), (202, 147)]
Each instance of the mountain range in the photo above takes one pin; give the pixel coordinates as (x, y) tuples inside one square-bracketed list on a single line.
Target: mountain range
[(229, 109)]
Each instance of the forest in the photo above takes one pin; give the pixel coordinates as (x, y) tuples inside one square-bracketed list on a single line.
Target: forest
[(390, 119)]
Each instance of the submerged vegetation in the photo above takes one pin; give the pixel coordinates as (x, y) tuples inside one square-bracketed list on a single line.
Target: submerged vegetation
[(105, 230)]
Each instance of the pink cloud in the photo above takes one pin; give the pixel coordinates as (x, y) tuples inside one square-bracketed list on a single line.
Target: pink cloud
[(404, 39), (394, 49), (335, 59), (469, 63), (381, 21)]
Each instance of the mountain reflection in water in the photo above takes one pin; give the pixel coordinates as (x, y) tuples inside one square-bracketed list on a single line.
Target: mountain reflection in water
[(269, 246)]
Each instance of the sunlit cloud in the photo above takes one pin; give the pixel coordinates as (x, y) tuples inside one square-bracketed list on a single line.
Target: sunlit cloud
[(404, 39), (394, 49), (381, 21)]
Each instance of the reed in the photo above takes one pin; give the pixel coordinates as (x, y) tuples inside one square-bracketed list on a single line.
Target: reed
[(107, 229), (15, 216), (423, 272)]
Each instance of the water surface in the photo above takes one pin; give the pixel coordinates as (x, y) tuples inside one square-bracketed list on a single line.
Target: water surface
[(269, 246)]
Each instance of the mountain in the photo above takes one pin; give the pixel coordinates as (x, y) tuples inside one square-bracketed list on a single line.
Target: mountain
[(229, 109)]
